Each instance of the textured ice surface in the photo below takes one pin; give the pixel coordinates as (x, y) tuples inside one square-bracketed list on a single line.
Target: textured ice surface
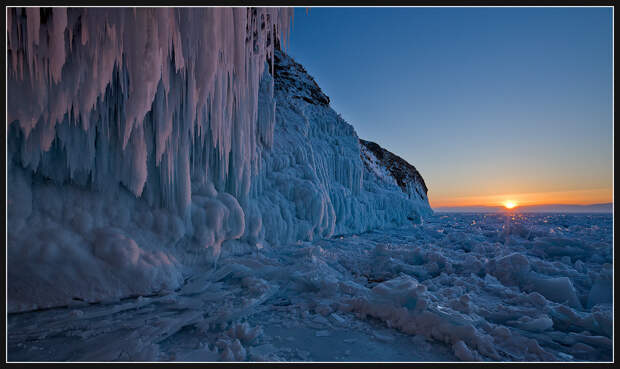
[(144, 141), (313, 182), (153, 98), (143, 144), (131, 133), (439, 291)]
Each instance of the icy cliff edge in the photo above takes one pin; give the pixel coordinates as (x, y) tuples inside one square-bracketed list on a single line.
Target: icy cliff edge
[(119, 189)]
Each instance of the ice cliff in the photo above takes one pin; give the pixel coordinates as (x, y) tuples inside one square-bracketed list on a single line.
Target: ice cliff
[(142, 142), (316, 181)]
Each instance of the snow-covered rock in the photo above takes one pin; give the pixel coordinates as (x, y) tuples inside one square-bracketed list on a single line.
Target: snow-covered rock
[(394, 169)]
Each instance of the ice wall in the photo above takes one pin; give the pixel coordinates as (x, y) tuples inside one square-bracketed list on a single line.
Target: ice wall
[(316, 181), (143, 142), (132, 134), (151, 98)]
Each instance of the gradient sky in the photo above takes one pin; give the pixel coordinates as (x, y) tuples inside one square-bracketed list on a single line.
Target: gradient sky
[(489, 104)]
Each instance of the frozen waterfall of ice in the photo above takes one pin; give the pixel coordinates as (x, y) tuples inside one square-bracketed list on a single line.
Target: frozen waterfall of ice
[(142, 141)]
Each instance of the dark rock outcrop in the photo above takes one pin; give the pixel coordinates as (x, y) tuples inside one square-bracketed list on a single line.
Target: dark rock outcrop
[(293, 78), (403, 172)]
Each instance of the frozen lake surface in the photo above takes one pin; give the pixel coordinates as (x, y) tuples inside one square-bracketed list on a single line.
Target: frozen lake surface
[(491, 287)]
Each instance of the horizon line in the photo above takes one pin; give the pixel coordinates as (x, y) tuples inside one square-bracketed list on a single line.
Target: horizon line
[(542, 207), (523, 206)]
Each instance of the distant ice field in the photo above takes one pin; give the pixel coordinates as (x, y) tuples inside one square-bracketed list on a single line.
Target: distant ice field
[(458, 287)]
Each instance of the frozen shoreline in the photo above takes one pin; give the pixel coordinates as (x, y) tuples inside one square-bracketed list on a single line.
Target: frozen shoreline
[(466, 287)]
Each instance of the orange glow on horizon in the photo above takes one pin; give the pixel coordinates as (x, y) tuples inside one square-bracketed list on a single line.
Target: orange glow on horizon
[(576, 197), (509, 204)]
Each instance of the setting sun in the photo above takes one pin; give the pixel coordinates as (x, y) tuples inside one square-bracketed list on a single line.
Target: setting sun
[(509, 204)]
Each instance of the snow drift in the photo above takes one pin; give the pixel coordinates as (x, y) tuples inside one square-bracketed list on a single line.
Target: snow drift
[(143, 141)]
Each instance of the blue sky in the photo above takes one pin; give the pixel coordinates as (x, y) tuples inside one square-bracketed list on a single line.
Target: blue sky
[(483, 101)]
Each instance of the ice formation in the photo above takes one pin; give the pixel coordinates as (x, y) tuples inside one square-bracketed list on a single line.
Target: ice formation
[(452, 288), (152, 98), (142, 141), (316, 181), (145, 141)]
